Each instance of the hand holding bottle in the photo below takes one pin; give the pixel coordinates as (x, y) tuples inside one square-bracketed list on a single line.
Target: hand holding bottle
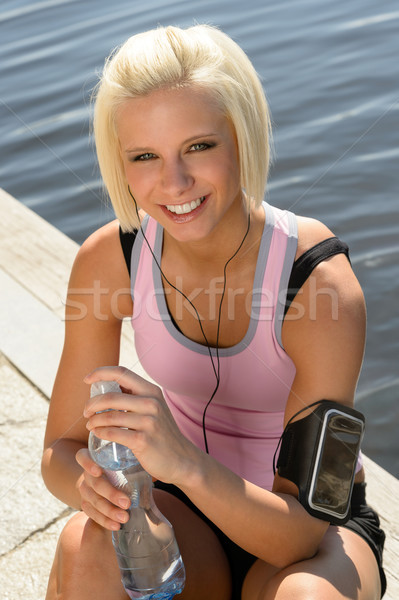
[(100, 500), (140, 419)]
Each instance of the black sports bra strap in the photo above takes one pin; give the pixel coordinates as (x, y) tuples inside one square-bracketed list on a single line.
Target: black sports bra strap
[(127, 240), (305, 264)]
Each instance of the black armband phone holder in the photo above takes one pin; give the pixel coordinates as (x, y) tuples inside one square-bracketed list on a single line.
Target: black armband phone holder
[(319, 454)]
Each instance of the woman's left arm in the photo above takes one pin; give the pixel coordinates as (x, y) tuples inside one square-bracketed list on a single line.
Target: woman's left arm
[(324, 334)]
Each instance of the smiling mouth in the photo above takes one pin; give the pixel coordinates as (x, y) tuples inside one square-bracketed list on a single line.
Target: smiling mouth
[(184, 209)]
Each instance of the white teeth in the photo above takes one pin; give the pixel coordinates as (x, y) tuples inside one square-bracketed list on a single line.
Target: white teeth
[(183, 209)]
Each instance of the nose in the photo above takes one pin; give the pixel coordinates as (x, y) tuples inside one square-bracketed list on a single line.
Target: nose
[(176, 177)]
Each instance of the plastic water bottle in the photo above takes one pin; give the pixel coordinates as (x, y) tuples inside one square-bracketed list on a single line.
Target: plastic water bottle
[(148, 555)]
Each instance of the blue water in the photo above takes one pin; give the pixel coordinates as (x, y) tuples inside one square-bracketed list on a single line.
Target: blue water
[(330, 70)]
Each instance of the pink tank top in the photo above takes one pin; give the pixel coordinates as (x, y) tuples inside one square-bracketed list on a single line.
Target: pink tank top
[(245, 418)]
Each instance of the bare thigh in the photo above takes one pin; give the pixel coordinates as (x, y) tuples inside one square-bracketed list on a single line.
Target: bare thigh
[(85, 566), (344, 568)]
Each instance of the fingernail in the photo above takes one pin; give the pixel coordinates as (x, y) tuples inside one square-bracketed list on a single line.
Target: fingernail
[(123, 517), (124, 503)]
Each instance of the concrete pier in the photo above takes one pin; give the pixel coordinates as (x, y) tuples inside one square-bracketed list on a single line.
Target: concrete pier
[(35, 262)]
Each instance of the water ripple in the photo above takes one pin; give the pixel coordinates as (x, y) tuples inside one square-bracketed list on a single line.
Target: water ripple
[(367, 21), (32, 8)]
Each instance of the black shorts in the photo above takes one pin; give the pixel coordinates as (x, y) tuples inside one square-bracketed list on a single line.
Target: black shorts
[(364, 521)]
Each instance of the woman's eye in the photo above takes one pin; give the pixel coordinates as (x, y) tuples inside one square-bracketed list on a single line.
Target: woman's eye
[(144, 157), (199, 146)]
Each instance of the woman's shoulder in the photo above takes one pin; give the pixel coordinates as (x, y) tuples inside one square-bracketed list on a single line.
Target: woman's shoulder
[(310, 232), (101, 249), (100, 262), (335, 272), (101, 240)]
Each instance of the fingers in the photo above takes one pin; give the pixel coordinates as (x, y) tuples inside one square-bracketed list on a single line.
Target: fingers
[(125, 378), (100, 509), (121, 402), (99, 499), (127, 428)]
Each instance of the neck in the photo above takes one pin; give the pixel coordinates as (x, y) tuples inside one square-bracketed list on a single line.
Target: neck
[(212, 253)]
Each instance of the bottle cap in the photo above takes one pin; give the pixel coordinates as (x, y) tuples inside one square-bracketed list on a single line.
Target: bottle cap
[(102, 387)]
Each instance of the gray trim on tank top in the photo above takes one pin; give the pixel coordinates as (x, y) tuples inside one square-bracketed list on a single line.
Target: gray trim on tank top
[(258, 279), (289, 258), (136, 253)]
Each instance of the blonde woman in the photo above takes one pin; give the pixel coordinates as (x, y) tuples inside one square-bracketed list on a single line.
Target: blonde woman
[(243, 314)]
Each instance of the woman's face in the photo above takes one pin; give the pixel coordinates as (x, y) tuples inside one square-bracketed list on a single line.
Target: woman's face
[(181, 162)]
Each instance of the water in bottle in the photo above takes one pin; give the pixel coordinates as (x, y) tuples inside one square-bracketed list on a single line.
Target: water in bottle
[(148, 555)]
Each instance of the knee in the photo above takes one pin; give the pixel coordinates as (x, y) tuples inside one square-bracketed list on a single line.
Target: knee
[(71, 535), (79, 536), (301, 586), (85, 564)]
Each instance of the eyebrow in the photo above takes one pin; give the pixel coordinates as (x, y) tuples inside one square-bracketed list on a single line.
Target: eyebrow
[(187, 141)]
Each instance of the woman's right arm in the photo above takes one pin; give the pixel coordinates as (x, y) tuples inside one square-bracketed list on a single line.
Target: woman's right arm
[(98, 300)]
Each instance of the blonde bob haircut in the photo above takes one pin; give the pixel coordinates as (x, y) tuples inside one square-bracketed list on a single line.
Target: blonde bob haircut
[(171, 58)]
